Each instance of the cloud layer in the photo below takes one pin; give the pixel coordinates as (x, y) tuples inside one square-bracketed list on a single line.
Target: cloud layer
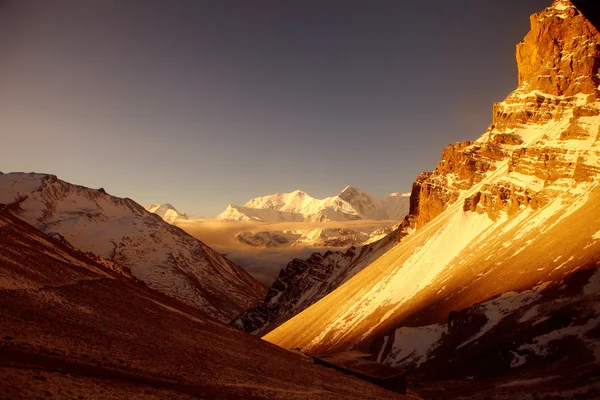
[(263, 263)]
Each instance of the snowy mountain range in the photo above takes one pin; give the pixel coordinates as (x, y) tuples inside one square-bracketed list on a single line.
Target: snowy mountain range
[(350, 204), (166, 211), (499, 276), (119, 230), (335, 216)]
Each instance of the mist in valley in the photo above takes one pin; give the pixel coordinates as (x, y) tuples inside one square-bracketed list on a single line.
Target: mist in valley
[(265, 263)]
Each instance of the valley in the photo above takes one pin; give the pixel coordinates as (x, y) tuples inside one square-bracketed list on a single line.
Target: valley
[(482, 282)]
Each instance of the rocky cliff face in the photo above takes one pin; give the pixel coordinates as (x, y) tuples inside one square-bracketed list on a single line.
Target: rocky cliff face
[(559, 54), (559, 81)]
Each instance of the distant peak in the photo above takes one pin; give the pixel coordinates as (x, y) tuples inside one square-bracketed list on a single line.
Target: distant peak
[(166, 211), (351, 189)]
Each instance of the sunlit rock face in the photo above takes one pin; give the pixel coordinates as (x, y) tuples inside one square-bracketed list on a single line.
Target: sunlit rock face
[(558, 81), (559, 54), (515, 209)]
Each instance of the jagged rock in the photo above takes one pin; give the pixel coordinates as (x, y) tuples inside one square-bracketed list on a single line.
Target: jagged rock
[(558, 77), (559, 54), (506, 138)]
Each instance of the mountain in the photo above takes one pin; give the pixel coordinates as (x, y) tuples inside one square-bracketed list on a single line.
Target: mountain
[(163, 256), (74, 328), (515, 209), (166, 212), (350, 205)]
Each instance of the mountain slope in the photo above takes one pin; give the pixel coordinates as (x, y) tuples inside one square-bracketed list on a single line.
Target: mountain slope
[(541, 340), (517, 207), (120, 230), (166, 212), (72, 328)]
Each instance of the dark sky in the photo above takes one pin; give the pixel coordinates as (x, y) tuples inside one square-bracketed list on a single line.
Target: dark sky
[(205, 103)]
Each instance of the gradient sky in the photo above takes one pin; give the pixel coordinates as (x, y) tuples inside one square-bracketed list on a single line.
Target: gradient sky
[(205, 103)]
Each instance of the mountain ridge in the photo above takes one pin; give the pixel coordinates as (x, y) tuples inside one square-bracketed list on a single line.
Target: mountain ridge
[(349, 205), (120, 230)]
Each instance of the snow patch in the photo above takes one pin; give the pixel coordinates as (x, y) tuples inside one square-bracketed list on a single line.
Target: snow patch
[(411, 345)]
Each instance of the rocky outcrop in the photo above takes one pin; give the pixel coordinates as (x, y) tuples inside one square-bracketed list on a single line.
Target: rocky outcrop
[(558, 63), (559, 55)]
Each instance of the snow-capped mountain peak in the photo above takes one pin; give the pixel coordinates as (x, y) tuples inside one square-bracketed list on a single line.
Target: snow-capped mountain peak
[(166, 211), (365, 205)]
